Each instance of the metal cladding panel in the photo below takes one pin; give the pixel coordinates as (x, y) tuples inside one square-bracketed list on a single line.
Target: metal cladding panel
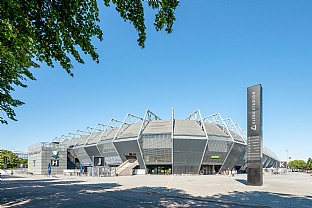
[(189, 145), (216, 145), (269, 163), (273, 164), (71, 159), (270, 153), (41, 154), (70, 142), (62, 160), (110, 134), (233, 156), (92, 151), (156, 143), (188, 127), (265, 161), (35, 157), (109, 152), (242, 160), (214, 158), (187, 155), (94, 137), (217, 150), (125, 147), (131, 131), (122, 129), (82, 155), (156, 149), (107, 147), (237, 137), (158, 127), (268, 160), (214, 129), (82, 140)]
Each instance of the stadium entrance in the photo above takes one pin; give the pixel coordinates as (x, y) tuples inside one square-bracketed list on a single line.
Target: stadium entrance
[(159, 169), (209, 169)]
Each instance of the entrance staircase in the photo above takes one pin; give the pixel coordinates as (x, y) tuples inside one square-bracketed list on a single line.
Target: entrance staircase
[(126, 168)]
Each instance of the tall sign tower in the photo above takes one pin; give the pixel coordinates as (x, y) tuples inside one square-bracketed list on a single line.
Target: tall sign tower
[(254, 135)]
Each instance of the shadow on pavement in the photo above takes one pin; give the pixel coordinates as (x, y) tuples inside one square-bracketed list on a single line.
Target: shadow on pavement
[(243, 181), (75, 193)]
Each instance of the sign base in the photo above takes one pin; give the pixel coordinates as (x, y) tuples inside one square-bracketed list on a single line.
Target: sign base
[(254, 176)]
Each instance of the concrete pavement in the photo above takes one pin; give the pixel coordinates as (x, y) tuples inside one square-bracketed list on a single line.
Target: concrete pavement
[(290, 190)]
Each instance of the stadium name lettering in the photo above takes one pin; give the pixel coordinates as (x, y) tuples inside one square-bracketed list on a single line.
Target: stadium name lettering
[(253, 108)]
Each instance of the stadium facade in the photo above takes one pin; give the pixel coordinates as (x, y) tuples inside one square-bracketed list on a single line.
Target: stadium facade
[(197, 145)]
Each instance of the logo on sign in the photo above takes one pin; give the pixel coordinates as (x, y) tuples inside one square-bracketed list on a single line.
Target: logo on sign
[(55, 154), (283, 164), (254, 127), (100, 162), (54, 162)]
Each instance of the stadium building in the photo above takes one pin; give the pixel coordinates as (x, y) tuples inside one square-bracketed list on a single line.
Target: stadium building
[(149, 145)]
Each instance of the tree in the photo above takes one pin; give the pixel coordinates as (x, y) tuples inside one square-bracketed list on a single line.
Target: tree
[(297, 164), (33, 32), (309, 163), (11, 158)]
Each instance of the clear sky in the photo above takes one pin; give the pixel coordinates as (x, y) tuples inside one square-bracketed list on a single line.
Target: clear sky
[(217, 49)]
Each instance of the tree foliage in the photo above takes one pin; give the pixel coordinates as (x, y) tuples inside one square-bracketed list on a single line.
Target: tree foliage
[(12, 159), (297, 164), (33, 32), (309, 163)]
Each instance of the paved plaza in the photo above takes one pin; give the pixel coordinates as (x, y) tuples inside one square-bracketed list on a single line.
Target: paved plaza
[(290, 190)]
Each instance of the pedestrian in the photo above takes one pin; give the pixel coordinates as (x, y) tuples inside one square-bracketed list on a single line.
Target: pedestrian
[(232, 171)]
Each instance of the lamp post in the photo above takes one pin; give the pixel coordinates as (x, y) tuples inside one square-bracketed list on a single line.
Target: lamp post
[(288, 158)]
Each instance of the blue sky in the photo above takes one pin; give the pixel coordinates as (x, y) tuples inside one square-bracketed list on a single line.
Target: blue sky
[(217, 50)]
